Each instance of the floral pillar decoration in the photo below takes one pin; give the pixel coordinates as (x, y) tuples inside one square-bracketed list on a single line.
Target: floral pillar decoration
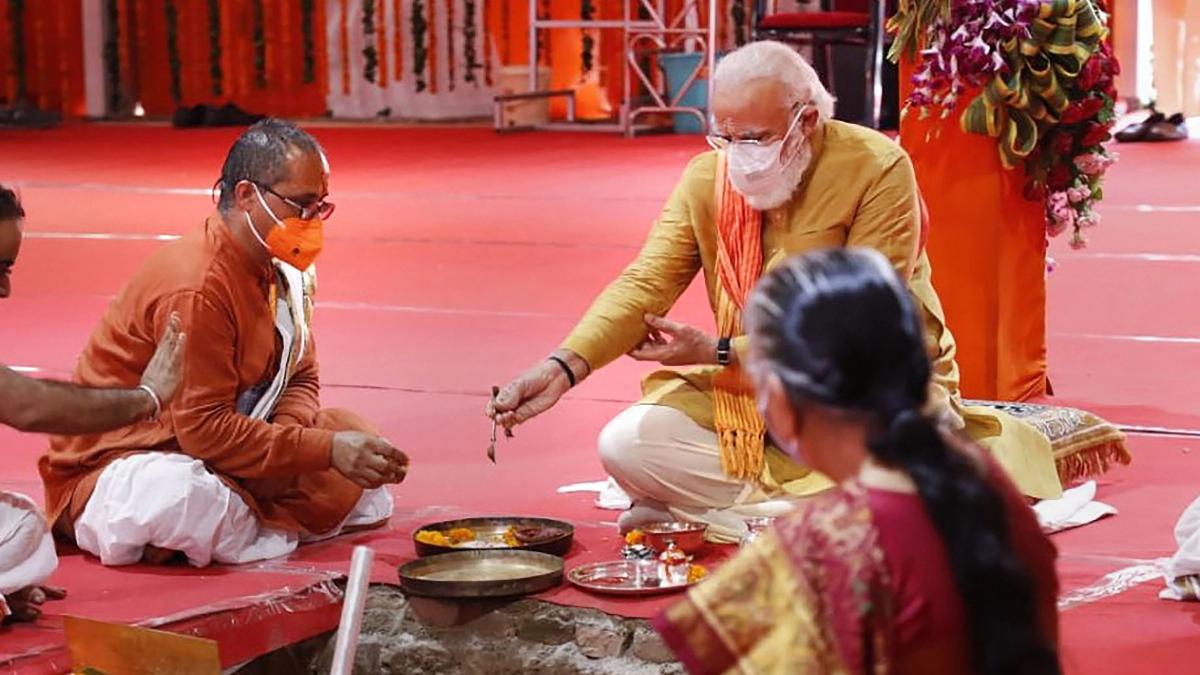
[(1048, 92)]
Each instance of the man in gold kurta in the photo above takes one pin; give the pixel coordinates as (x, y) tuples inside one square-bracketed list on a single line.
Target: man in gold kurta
[(817, 183)]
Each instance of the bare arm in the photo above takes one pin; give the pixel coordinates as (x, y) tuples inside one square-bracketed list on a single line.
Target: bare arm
[(46, 406)]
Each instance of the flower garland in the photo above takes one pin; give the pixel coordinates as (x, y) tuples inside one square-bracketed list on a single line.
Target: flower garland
[(450, 44), (432, 51), (398, 43), (173, 60), (738, 12), (587, 12), (470, 34), (307, 7), (1047, 93), (260, 45), (16, 20), (487, 45), (214, 47), (1070, 169), (112, 58), (370, 54), (381, 43), (420, 54), (543, 48)]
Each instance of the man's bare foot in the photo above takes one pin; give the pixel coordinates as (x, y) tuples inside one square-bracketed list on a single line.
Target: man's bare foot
[(153, 555), (641, 515), (26, 604)]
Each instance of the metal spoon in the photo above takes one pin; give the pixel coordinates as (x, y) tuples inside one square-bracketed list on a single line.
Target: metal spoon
[(491, 451)]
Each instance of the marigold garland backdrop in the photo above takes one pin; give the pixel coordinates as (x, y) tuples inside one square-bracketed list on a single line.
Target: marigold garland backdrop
[(405, 59)]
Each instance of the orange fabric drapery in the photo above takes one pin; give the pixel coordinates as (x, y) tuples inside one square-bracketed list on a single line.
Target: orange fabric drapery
[(987, 245), (54, 59), (146, 77), (52, 54)]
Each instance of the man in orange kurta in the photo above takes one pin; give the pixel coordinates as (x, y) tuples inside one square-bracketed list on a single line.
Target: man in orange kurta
[(244, 464)]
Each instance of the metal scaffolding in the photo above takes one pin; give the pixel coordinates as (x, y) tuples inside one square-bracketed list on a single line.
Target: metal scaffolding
[(646, 31)]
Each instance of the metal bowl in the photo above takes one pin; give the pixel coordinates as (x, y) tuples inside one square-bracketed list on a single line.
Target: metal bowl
[(557, 542), (689, 537), (482, 574)]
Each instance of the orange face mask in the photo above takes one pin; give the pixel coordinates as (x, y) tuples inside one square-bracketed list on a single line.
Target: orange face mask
[(295, 241)]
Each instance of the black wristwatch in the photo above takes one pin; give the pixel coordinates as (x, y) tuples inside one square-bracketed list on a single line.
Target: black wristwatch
[(723, 351)]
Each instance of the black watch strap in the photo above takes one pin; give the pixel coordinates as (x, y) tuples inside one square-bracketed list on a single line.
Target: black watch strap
[(724, 348)]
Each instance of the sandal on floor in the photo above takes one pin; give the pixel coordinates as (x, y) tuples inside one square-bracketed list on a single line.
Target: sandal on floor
[(1137, 131)]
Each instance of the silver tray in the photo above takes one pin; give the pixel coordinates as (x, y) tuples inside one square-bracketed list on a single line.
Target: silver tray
[(620, 577), (557, 541), (487, 573)]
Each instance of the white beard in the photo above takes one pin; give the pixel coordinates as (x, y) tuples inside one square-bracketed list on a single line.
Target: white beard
[(793, 174)]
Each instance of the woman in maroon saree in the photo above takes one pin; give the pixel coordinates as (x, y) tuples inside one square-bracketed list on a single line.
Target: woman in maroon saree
[(924, 560)]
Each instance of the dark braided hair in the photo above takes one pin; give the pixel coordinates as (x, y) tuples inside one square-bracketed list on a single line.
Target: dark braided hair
[(840, 329), (260, 155), (10, 205)]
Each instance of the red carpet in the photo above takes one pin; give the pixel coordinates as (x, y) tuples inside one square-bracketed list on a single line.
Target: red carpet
[(437, 283)]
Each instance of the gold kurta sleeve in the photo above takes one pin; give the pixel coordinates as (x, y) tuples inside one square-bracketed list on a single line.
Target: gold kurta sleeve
[(662, 271), (888, 218)]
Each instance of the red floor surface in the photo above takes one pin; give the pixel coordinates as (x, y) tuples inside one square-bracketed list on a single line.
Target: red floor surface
[(456, 258)]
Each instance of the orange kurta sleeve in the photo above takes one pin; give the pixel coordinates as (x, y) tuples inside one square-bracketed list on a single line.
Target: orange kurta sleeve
[(207, 423)]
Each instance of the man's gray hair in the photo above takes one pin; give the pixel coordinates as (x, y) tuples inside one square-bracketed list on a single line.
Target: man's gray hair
[(260, 155), (779, 62)]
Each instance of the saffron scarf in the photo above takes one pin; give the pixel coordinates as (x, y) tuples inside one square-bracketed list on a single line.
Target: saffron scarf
[(740, 429)]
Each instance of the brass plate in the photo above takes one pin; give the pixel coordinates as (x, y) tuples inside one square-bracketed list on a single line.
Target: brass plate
[(485, 573), (489, 529), (620, 577)]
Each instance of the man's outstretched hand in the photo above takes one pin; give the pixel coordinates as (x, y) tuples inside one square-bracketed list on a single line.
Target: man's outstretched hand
[(675, 344), (535, 391), (165, 369), (368, 461)]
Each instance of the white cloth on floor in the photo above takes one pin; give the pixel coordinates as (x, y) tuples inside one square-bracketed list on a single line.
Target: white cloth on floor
[(172, 501), (609, 495), (1183, 569), (1077, 507), (26, 546), (664, 461)]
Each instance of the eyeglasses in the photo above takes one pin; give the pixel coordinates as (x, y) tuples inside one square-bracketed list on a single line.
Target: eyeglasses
[(321, 209), (718, 142)]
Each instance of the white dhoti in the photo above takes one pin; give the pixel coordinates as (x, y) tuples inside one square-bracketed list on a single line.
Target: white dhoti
[(26, 547), (172, 501), (1183, 569), (671, 468)]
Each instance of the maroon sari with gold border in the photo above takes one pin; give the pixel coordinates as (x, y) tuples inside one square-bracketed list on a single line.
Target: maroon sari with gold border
[(810, 596)]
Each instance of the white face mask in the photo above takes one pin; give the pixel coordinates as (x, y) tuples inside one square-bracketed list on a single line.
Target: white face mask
[(759, 172)]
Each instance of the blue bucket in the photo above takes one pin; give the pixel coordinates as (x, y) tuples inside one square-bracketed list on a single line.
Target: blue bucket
[(677, 67)]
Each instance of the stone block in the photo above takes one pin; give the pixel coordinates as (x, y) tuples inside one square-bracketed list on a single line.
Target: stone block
[(423, 658), (601, 639), (648, 646), (548, 625)]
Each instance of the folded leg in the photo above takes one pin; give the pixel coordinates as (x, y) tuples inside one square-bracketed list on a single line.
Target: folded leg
[(671, 466), (27, 555), (173, 502)]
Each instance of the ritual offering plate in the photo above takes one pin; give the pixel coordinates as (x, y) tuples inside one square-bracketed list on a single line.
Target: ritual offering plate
[(495, 533), (687, 536), (482, 574), (632, 577)]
